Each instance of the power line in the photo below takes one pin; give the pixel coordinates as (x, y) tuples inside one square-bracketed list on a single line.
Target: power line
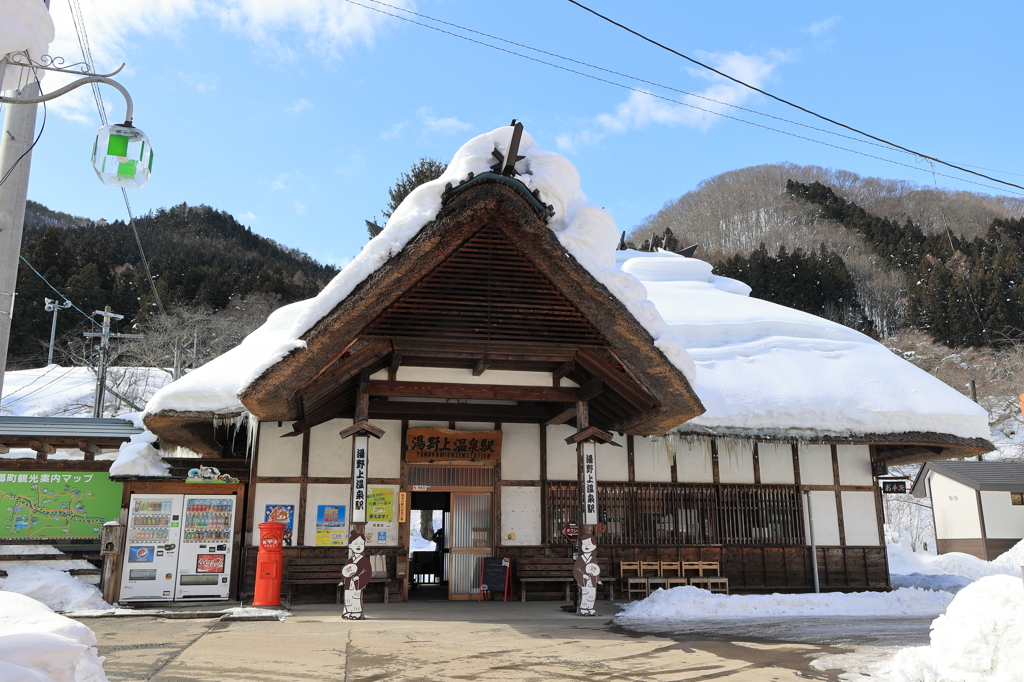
[(83, 42), (626, 75), (56, 291), (662, 97), (791, 104)]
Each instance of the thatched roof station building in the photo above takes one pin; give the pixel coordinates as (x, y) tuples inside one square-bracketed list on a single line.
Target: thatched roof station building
[(491, 342)]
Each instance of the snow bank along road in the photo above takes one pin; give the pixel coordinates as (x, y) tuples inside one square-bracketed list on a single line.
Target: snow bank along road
[(436, 641)]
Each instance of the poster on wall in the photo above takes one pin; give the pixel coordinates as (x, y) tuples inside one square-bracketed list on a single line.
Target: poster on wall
[(330, 524), (57, 505), (282, 513), (381, 526)]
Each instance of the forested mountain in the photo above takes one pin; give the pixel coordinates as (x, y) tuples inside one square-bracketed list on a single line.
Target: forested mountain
[(199, 257), (946, 263)]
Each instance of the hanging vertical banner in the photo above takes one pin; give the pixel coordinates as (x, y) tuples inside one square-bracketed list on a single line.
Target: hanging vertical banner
[(403, 507), (360, 459), (589, 483)]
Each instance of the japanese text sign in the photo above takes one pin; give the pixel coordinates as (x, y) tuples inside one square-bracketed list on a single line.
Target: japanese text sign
[(427, 445)]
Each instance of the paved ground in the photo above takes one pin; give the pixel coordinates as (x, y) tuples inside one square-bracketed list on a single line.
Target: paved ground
[(429, 641)]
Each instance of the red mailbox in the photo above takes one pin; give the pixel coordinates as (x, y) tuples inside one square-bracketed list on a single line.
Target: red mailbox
[(269, 563)]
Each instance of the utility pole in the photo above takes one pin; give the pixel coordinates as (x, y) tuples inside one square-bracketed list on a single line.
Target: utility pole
[(101, 370), (15, 140), (51, 305)]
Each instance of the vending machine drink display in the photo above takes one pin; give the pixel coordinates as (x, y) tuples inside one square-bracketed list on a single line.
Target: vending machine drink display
[(178, 547), (204, 562), (151, 548)]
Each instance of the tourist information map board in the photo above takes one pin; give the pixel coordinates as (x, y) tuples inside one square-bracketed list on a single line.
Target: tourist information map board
[(54, 505)]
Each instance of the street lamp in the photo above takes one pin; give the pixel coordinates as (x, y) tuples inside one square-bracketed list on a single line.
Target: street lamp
[(53, 307), (121, 153)]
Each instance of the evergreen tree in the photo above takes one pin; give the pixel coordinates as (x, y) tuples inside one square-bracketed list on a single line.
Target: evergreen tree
[(422, 171)]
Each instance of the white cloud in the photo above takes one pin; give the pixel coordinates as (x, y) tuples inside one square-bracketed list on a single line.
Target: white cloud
[(203, 84), (642, 109), (247, 217), (324, 28), (300, 106), (393, 132), (445, 126), (280, 180), (818, 28), (300, 208)]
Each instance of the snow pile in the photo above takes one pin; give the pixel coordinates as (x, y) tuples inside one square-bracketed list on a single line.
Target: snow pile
[(242, 612), (980, 637), (760, 365), (138, 457), (685, 603), (54, 588), (28, 549), (26, 26), (903, 562), (588, 233), (37, 645)]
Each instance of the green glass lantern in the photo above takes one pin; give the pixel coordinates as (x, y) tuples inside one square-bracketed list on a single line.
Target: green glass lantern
[(122, 156)]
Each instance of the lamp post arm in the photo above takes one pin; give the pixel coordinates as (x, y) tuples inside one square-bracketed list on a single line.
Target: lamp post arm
[(129, 107)]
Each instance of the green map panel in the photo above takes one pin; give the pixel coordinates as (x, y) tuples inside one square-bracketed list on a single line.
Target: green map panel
[(56, 505)]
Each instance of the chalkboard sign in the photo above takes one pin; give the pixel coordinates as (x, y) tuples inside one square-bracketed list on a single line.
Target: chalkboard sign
[(495, 576)]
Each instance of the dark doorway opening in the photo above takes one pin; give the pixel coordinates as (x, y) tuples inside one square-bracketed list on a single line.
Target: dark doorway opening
[(428, 546)]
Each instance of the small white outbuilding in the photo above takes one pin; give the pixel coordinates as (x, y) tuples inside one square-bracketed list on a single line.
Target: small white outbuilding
[(978, 507)]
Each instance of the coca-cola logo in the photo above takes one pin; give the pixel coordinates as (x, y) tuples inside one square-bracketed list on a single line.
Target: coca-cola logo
[(210, 563)]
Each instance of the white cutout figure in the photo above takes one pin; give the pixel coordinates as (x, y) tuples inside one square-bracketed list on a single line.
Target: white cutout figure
[(587, 574), (355, 577)]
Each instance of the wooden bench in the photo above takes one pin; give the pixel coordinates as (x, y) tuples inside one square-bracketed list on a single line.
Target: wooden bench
[(556, 570), (321, 571)]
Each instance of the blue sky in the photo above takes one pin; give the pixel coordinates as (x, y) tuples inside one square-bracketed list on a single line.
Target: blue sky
[(297, 116)]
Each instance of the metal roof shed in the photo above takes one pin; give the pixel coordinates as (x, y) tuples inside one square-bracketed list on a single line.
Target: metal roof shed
[(977, 507)]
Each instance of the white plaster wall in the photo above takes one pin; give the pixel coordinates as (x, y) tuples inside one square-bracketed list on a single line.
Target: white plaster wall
[(325, 493), (613, 462), (561, 455), (854, 464), (860, 519), (520, 514), (498, 377), (520, 452), (816, 464), (1002, 519), (329, 455), (735, 460), (776, 462), (386, 453), (474, 426), (826, 518), (274, 493), (278, 456), (693, 460), (956, 509), (652, 461)]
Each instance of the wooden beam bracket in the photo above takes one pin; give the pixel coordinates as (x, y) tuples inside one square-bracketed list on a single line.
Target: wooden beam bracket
[(564, 370), (89, 449), (362, 428), (591, 389), (592, 434), (481, 366)]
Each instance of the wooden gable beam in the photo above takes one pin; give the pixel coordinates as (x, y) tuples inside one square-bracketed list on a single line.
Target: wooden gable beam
[(429, 389), (562, 417)]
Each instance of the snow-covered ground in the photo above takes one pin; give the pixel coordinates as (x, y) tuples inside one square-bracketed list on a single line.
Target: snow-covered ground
[(55, 391), (38, 645)]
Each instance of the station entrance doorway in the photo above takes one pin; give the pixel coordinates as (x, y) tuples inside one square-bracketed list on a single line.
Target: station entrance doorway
[(461, 532)]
